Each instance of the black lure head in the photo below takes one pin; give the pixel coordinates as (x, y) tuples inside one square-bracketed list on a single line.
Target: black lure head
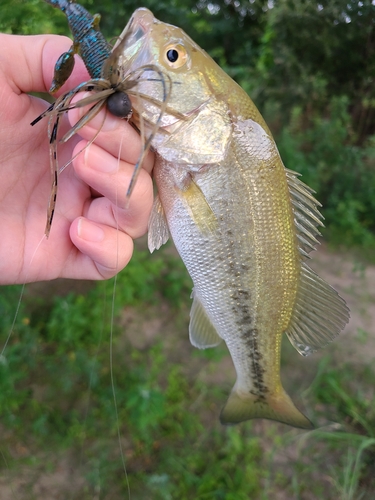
[(119, 104)]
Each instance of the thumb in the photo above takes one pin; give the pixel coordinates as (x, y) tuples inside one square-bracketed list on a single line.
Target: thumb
[(27, 62)]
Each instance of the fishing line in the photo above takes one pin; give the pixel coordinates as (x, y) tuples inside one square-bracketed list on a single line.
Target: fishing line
[(89, 388), (7, 466), (85, 147), (2, 357), (21, 297), (111, 330)]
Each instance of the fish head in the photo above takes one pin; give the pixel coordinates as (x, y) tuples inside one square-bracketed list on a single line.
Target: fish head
[(174, 88)]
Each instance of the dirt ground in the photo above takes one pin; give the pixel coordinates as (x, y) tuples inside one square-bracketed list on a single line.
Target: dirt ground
[(352, 279), (355, 282)]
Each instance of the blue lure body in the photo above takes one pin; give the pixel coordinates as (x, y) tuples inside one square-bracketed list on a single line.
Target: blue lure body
[(88, 42)]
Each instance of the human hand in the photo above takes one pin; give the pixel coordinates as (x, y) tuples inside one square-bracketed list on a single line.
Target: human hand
[(92, 232)]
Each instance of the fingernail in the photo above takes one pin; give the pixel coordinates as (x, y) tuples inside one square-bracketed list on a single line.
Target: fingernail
[(89, 231)]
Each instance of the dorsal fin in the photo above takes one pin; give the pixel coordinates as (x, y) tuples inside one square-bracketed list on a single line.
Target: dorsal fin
[(307, 217)]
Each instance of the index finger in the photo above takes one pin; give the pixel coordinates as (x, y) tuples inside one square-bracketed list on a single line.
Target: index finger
[(116, 136)]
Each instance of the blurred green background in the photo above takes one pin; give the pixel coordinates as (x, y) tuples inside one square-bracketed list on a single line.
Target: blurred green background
[(310, 68)]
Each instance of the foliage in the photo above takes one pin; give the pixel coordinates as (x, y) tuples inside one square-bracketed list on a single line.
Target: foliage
[(296, 67), (320, 88), (56, 393), (352, 406), (29, 17), (343, 174)]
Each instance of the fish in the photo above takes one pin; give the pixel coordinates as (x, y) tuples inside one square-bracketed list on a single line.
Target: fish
[(242, 222)]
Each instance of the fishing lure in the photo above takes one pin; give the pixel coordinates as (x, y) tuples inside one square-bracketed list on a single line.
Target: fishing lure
[(110, 86)]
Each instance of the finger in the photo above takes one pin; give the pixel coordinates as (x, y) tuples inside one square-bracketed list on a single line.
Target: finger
[(104, 251), (116, 136), (131, 221), (36, 56), (111, 177)]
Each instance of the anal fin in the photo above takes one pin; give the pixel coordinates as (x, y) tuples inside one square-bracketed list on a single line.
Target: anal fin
[(201, 331)]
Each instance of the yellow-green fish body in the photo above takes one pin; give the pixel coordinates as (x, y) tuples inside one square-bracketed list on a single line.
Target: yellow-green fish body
[(241, 222)]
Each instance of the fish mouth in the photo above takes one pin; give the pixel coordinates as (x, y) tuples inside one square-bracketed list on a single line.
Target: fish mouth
[(135, 62), (135, 31), (141, 20)]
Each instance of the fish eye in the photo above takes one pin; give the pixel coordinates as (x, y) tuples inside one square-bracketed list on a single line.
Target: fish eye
[(175, 55), (172, 55)]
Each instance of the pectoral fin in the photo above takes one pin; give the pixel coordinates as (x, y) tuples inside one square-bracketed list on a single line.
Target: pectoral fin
[(319, 314), (158, 232), (201, 331), (199, 208)]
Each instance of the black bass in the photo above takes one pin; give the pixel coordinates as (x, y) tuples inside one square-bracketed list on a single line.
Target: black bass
[(242, 223)]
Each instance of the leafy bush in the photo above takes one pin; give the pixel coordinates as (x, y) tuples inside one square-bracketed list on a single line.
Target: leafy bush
[(323, 150)]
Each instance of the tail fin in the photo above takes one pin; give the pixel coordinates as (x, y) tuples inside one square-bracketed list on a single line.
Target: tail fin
[(244, 406)]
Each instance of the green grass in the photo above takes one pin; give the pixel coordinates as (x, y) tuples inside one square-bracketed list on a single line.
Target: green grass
[(56, 401)]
